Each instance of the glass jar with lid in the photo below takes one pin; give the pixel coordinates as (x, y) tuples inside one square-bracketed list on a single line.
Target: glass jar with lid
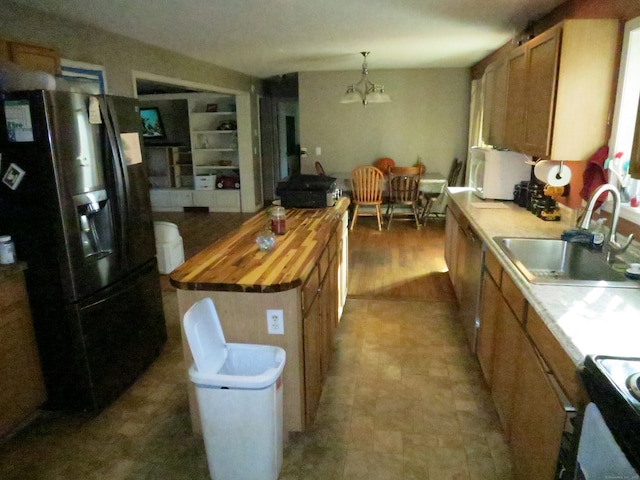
[(278, 220), (7, 250)]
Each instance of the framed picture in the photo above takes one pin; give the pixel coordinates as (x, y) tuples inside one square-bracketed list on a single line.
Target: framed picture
[(152, 123), (13, 176), (212, 107)]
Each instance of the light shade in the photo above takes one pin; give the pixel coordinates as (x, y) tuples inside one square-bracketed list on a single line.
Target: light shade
[(351, 96), (365, 91)]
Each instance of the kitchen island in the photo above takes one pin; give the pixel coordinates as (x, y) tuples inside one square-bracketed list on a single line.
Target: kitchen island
[(304, 276)]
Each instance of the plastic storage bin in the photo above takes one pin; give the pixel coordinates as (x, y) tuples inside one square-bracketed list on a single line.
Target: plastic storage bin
[(169, 246), (239, 392)]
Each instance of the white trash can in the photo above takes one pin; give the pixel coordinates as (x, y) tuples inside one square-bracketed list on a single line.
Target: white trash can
[(239, 392), (169, 246)]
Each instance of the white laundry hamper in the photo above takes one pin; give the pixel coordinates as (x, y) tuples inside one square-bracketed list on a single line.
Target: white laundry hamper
[(169, 246), (239, 393)]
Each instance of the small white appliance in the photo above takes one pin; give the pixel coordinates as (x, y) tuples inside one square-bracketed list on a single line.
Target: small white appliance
[(493, 174)]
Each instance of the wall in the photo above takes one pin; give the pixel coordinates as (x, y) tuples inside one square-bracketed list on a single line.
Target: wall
[(119, 55), (428, 116)]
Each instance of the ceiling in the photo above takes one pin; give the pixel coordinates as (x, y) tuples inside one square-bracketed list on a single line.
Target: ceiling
[(264, 38)]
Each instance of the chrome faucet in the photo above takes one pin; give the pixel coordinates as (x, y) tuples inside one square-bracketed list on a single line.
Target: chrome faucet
[(611, 241)]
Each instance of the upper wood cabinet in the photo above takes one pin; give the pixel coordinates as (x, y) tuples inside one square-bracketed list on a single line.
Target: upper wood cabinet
[(559, 91), (494, 103), (36, 57)]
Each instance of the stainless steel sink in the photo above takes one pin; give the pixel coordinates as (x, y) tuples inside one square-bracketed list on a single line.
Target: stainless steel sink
[(557, 262)]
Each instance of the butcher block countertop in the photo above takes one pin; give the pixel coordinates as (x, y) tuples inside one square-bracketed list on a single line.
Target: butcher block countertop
[(235, 264)]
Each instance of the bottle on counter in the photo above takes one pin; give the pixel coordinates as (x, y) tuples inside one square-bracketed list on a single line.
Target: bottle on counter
[(7, 250), (278, 220)]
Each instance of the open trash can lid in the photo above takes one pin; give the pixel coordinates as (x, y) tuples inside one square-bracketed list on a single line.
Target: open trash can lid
[(204, 334), (221, 364)]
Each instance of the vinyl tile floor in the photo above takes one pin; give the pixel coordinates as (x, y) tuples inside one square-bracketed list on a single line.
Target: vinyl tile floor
[(404, 399)]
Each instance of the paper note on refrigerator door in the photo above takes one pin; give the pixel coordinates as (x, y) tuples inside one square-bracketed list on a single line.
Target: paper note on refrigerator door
[(131, 147), (18, 118)]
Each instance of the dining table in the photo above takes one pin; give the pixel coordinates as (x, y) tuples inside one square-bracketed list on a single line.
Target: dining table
[(432, 187)]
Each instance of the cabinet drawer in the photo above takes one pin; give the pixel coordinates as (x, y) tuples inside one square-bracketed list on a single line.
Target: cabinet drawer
[(492, 266), (554, 355), (310, 289), (514, 297)]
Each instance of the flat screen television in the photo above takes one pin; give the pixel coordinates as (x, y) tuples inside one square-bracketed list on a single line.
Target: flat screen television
[(152, 123)]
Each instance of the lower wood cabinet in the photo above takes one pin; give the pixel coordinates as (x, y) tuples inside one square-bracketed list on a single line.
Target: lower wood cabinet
[(538, 417), (320, 320), (530, 401), (23, 388)]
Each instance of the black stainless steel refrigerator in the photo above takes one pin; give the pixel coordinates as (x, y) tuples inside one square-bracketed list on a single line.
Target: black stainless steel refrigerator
[(74, 196)]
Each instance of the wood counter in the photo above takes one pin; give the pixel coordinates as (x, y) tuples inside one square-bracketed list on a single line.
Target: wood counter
[(235, 264), (304, 276)]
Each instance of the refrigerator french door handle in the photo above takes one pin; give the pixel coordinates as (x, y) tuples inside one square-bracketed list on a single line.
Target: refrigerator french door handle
[(111, 127)]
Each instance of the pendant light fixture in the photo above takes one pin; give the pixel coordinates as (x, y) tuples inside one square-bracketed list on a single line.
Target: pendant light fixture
[(365, 91)]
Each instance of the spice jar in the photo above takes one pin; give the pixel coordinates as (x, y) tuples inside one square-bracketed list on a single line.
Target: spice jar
[(278, 220), (7, 250)]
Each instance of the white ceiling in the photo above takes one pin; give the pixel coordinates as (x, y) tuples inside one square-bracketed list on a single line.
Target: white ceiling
[(264, 38)]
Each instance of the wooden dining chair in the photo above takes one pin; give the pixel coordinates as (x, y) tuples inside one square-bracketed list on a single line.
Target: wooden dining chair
[(320, 169), (367, 185), (404, 191)]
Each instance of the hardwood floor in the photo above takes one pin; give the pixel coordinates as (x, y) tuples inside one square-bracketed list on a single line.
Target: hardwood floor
[(199, 229), (401, 263)]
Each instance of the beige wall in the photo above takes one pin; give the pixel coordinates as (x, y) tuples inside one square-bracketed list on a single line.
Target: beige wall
[(428, 116), (119, 55)]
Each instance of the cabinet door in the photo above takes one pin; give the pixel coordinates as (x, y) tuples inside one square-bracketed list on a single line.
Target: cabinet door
[(227, 200), (204, 198), (329, 299), (180, 198), (450, 244), (538, 420), (495, 103), (542, 72), (516, 101), (489, 312), (312, 338), (509, 341), (35, 57)]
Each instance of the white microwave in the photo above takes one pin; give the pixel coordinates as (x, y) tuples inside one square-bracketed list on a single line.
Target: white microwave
[(493, 174)]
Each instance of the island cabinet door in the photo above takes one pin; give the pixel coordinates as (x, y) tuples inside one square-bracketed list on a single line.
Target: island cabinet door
[(312, 337)]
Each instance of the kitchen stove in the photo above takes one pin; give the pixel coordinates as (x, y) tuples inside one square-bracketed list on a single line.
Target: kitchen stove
[(613, 384)]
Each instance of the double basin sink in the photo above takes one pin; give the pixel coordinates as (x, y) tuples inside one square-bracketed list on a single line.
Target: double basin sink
[(558, 262)]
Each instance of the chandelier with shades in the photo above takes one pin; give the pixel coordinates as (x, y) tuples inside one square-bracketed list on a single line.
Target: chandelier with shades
[(365, 91)]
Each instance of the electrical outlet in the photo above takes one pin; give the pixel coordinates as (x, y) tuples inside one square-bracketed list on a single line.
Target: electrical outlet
[(275, 322)]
